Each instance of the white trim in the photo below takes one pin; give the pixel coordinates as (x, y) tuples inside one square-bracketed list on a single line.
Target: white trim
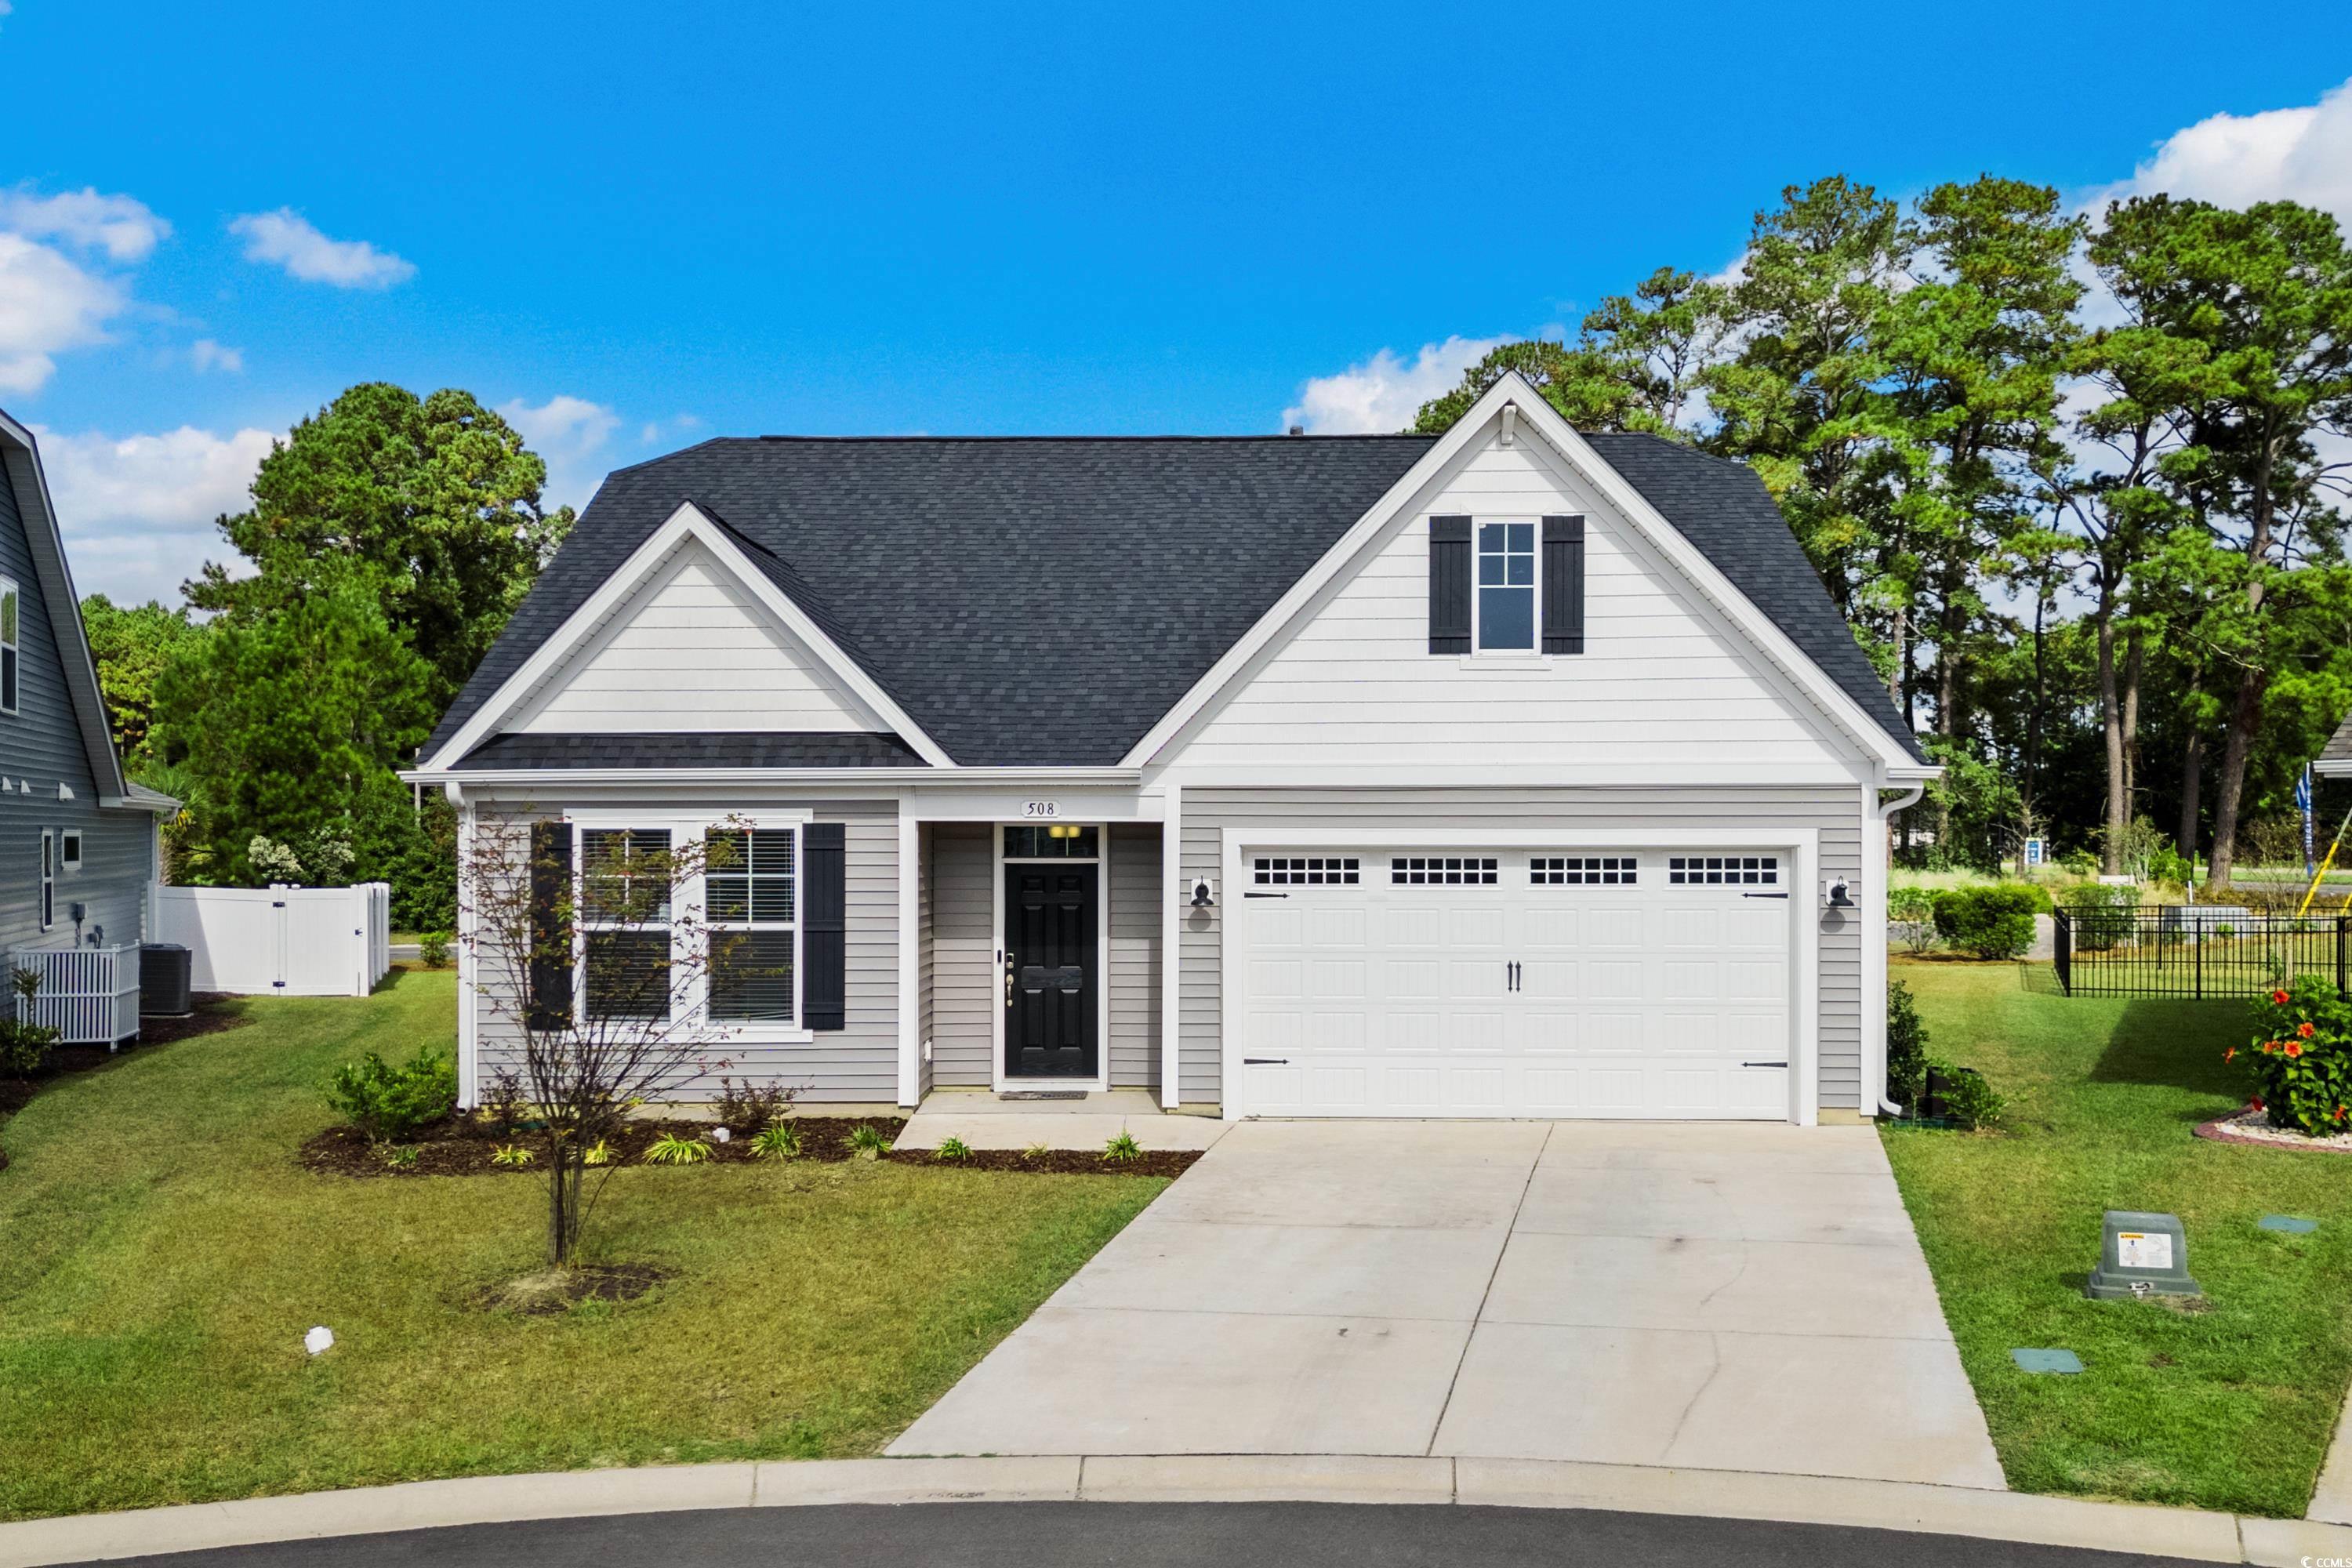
[(1802, 846), (10, 588), (1174, 896), (1539, 419), (45, 908), (686, 522), (470, 1073), (999, 1080), (894, 778), (910, 957)]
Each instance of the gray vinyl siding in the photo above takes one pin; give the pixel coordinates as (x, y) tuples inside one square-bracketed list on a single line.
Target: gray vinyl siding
[(1834, 813), (963, 945), (41, 745), (858, 1062), (1133, 878)]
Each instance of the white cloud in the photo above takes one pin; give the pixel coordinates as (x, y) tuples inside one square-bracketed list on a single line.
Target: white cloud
[(206, 355), (46, 304), (288, 240), (122, 226), (1383, 393), (138, 510), (570, 433), (2301, 154)]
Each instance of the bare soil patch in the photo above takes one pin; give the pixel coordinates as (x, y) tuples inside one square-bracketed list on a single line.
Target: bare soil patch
[(554, 1290)]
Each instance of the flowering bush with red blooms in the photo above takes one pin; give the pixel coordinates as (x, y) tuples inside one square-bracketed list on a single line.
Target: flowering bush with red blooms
[(2301, 1057)]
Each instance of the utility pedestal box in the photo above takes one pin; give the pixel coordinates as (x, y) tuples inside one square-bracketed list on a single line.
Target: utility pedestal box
[(2141, 1255)]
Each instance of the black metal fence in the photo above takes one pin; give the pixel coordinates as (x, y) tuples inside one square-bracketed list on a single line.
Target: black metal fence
[(2193, 951)]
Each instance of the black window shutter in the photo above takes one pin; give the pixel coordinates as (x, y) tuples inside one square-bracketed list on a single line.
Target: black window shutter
[(551, 930), (1449, 584), (824, 926), (1563, 584)]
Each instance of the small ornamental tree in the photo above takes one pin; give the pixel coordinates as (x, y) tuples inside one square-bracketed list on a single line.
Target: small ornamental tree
[(586, 977), (2301, 1057)]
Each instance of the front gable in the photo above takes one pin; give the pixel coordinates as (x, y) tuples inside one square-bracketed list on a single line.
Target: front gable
[(693, 650), (1670, 685)]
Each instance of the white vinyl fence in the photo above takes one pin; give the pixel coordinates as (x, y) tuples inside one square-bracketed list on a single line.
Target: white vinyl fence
[(90, 995), (280, 941)]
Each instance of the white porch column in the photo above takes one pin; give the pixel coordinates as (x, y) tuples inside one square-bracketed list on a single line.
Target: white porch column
[(910, 955), (469, 1075), (1171, 928)]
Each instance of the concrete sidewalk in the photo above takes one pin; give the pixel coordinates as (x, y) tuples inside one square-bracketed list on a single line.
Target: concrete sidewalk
[(1469, 1482), (1742, 1296)]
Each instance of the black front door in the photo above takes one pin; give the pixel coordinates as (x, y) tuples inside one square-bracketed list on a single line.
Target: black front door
[(1050, 973)]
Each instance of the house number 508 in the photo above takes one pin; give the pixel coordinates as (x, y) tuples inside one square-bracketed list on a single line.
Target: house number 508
[(1042, 808)]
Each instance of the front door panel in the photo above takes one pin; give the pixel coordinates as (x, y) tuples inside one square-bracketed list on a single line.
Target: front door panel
[(1050, 970)]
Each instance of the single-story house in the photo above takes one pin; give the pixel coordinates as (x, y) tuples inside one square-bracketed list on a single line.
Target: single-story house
[(79, 851), (1508, 772), (2335, 759)]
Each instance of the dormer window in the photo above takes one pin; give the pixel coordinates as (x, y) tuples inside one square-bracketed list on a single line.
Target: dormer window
[(1506, 587)]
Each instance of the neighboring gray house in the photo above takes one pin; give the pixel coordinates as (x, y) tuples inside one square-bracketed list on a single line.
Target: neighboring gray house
[(1506, 773), (78, 843), (2335, 759)]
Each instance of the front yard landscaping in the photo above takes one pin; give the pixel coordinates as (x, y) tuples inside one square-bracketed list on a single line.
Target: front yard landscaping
[(2227, 1403), (166, 1250)]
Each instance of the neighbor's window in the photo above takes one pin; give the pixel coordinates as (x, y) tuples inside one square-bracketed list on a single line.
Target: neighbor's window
[(1507, 585), (625, 882), (9, 599), (69, 849), (749, 884), (49, 881)]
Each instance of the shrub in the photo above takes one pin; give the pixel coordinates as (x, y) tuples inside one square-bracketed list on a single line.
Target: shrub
[(600, 1152), (868, 1140), (676, 1149), (2301, 1056), (390, 1103), (1123, 1148), (952, 1148), (433, 947), (502, 1105), (1906, 1046), (747, 1107), (2082, 862), (24, 1048), (401, 1157), (1991, 923), (511, 1157), (776, 1141), (1913, 910), (2102, 914), (1963, 1095)]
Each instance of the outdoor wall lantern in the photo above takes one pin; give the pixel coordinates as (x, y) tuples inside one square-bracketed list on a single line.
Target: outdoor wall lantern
[(1836, 895), (1204, 896)]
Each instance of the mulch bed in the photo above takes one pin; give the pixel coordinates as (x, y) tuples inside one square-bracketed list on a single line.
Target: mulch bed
[(2253, 1127), (208, 1018), (462, 1146)]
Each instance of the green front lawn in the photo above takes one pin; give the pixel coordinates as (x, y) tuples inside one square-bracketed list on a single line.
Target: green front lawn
[(2227, 1408), (163, 1255)]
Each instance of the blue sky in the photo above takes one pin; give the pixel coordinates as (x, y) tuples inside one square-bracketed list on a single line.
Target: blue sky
[(634, 226)]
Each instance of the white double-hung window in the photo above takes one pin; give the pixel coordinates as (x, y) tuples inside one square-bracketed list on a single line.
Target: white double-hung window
[(1506, 587), (750, 884), (11, 657), (691, 919)]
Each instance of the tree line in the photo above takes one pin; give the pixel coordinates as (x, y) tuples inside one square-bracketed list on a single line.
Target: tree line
[(2074, 478), (386, 541)]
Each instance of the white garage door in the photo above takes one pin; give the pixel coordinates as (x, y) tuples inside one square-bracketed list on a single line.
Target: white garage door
[(1568, 983)]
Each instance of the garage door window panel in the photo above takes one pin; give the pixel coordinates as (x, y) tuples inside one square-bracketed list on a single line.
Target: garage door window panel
[(1723, 870)]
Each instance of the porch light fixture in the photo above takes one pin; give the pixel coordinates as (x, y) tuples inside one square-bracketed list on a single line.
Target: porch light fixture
[(1062, 830), (1203, 896), (1838, 895)]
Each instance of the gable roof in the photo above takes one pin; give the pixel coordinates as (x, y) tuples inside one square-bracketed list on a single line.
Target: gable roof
[(1043, 600), (22, 456), (2335, 760)]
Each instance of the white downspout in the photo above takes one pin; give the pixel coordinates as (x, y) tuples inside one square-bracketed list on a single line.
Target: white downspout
[(1874, 879)]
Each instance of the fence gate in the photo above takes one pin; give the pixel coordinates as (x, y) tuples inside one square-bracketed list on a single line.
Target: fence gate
[(2197, 952), (281, 941)]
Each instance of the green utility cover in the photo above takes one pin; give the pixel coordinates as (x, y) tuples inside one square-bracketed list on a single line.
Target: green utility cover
[(2066, 1362), (2288, 1223), (2141, 1254)]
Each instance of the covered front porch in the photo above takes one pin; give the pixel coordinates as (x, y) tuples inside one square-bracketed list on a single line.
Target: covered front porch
[(1054, 1119), (1033, 963)]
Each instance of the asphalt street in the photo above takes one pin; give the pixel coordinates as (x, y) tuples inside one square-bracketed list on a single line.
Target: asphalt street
[(1145, 1535)]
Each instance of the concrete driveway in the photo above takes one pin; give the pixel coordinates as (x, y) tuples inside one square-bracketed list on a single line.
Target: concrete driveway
[(1732, 1297)]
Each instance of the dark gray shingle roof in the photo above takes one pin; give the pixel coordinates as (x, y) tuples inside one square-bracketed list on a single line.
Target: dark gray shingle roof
[(2339, 745), (1045, 600), (703, 749)]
